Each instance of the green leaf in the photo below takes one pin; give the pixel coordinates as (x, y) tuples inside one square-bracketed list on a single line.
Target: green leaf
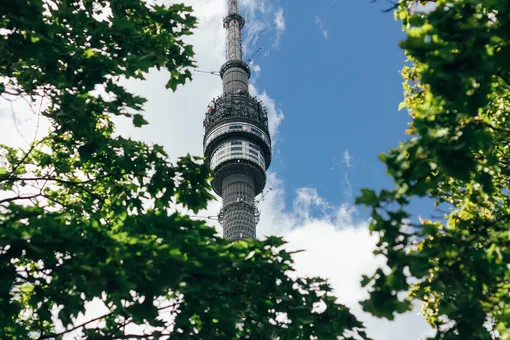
[(89, 53), (139, 121), (368, 197)]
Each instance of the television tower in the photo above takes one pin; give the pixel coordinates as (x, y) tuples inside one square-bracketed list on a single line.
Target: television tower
[(237, 143)]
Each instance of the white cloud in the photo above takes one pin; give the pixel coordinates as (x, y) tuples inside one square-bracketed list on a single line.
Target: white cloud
[(321, 19), (417, 7), (347, 188), (338, 245), (344, 166), (279, 21), (275, 114), (347, 159), (20, 122), (264, 19), (324, 31)]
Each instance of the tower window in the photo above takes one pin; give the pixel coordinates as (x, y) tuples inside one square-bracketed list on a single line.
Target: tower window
[(237, 148), (236, 143)]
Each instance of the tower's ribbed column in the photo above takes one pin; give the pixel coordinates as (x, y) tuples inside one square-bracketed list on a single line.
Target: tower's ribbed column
[(237, 142), (238, 216)]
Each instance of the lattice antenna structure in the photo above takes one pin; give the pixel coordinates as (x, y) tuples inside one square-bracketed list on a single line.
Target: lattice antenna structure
[(214, 73), (237, 143), (234, 24), (263, 196), (254, 54)]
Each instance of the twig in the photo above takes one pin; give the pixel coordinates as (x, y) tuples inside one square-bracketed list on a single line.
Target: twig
[(26, 155), (15, 124)]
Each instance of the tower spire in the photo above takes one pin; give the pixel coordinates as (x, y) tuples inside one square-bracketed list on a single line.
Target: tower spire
[(237, 143), (234, 24), (233, 7)]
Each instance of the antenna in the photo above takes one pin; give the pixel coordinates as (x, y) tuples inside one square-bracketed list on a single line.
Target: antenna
[(214, 218), (214, 73), (263, 196), (254, 54)]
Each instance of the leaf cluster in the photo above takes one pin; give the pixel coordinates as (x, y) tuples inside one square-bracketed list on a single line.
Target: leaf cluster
[(457, 91)]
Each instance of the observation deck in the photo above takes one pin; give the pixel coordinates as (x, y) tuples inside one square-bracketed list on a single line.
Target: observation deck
[(237, 138), (236, 107)]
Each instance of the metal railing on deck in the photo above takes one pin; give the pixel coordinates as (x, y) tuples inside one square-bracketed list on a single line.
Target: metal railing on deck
[(238, 105)]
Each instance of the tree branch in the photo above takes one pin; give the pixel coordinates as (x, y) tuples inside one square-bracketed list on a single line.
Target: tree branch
[(54, 335), (18, 198), (54, 179)]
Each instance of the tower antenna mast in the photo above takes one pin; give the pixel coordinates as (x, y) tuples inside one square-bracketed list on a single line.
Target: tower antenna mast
[(237, 143), (254, 54), (214, 73)]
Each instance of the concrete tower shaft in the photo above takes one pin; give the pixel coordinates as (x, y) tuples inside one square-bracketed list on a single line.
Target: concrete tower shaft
[(237, 142)]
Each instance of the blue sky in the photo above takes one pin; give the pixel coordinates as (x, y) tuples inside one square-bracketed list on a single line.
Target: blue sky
[(338, 93)]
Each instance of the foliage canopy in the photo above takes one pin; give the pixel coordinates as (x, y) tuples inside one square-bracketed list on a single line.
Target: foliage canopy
[(457, 92), (86, 215)]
